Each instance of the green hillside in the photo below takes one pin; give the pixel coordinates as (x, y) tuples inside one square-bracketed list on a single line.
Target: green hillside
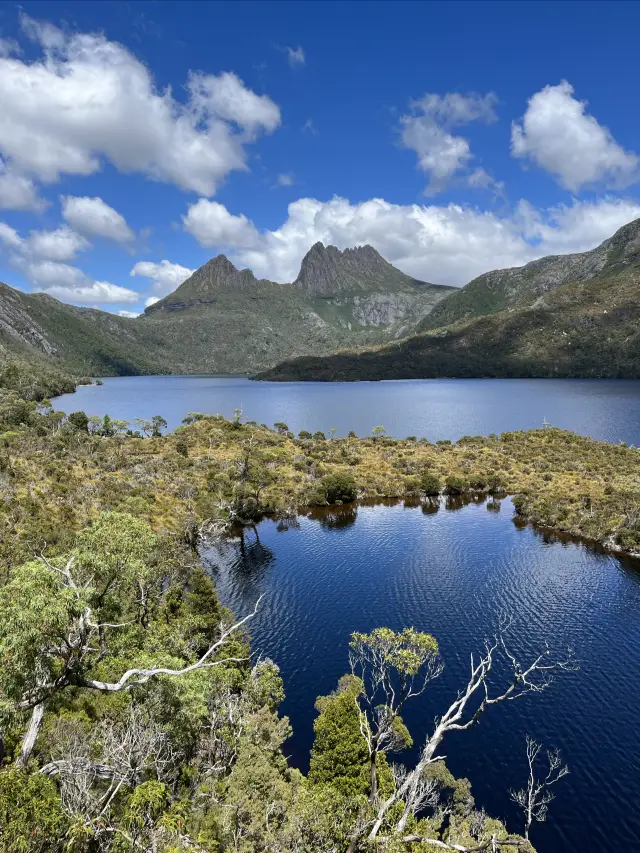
[(589, 329)]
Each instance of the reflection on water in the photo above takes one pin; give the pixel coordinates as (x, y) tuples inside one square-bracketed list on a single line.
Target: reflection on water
[(450, 568)]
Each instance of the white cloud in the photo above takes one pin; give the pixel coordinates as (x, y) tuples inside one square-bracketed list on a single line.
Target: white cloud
[(17, 192), (226, 97), (60, 245), (559, 135), (427, 131), (49, 275), (41, 258), (8, 47), (88, 99), (63, 244), (285, 179), (95, 217), (129, 314), (296, 56), (93, 293), (151, 301), (309, 127), (212, 225), (10, 237), (447, 244), (166, 276)]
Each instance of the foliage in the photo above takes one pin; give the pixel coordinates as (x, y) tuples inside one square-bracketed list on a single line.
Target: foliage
[(582, 329), (339, 487), (32, 819), (339, 757)]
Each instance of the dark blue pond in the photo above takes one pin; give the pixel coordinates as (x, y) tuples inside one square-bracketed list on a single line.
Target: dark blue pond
[(606, 409), (451, 573)]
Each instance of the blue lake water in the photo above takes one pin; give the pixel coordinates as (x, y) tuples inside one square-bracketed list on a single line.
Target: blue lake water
[(452, 573), (607, 409)]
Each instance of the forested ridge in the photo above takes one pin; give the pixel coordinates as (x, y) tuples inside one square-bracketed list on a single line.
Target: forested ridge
[(133, 715)]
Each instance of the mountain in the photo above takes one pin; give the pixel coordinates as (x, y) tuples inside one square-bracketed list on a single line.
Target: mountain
[(500, 289), (326, 271), (571, 315), (222, 319)]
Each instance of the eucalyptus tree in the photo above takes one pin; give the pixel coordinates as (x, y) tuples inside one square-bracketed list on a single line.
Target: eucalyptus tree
[(464, 713), (393, 668), (59, 618)]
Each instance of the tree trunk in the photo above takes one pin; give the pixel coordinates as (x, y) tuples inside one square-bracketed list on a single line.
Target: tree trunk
[(33, 730), (373, 794)]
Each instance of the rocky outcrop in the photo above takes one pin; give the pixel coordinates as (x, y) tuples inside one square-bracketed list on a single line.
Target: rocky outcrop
[(17, 323), (326, 271)]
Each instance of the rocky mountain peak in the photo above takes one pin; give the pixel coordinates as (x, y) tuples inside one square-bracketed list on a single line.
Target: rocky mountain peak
[(327, 271), (202, 286)]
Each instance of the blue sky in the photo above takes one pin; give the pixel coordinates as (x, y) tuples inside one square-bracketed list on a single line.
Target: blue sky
[(137, 140)]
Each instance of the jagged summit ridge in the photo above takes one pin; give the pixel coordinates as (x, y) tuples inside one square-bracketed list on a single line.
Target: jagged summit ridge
[(327, 271)]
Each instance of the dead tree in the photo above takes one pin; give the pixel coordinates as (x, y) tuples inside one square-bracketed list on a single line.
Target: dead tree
[(534, 677), (535, 798)]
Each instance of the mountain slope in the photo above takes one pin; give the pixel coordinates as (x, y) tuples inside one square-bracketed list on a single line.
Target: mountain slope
[(84, 340), (589, 329), (500, 289), (222, 319), (565, 315)]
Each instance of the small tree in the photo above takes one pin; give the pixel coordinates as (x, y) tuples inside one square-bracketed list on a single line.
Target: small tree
[(393, 668), (57, 620), (535, 798), (378, 431), (79, 421), (158, 423)]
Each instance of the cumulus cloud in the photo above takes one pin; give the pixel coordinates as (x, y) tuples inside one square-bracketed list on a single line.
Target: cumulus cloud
[(93, 293), (558, 134), (447, 244), (296, 57), (88, 99), (428, 132), (129, 314), (95, 217), (18, 192), (212, 225), (9, 237), (42, 259), (151, 301), (165, 277), (60, 245), (63, 244)]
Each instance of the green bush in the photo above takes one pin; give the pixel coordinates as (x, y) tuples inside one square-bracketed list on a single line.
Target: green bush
[(430, 484), (455, 485), (339, 487)]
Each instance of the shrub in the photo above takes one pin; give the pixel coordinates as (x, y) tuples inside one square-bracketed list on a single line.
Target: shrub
[(339, 487), (79, 421), (455, 485), (430, 484)]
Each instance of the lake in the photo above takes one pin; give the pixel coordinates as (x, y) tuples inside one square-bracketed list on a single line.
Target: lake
[(452, 572), (606, 409)]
